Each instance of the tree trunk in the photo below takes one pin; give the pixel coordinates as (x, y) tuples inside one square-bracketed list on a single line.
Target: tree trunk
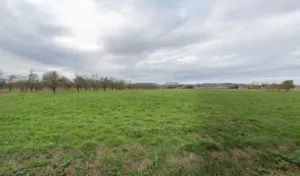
[(10, 88), (54, 89)]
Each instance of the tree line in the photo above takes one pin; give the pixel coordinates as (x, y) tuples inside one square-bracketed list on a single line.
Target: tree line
[(53, 80), (285, 85)]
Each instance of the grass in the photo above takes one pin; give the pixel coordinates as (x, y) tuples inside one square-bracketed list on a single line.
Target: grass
[(160, 132)]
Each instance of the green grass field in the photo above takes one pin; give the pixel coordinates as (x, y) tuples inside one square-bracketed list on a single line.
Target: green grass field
[(160, 132)]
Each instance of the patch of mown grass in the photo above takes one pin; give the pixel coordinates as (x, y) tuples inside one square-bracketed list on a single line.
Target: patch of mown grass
[(159, 132)]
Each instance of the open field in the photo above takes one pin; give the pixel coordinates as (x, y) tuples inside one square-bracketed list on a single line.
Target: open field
[(159, 132)]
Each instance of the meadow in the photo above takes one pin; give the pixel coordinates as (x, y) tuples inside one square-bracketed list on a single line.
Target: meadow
[(150, 132)]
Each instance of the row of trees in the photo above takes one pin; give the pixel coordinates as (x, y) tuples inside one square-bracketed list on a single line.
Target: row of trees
[(53, 80), (285, 85)]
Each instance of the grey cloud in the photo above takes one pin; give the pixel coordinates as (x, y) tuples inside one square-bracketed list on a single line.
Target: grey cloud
[(175, 29), (29, 33), (166, 29), (134, 42), (235, 73), (249, 10)]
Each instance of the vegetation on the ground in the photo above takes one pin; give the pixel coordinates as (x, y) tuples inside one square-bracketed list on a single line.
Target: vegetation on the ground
[(158, 132)]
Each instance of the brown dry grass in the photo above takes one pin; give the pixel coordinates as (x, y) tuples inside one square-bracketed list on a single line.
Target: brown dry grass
[(243, 154), (205, 137), (138, 166), (136, 160), (96, 166), (282, 148), (73, 168), (144, 165), (186, 159), (56, 156)]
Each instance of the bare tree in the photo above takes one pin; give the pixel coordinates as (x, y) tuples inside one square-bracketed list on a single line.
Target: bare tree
[(129, 85), (104, 82), (11, 79), (112, 82), (79, 82), (65, 83), (86, 83), (95, 82), (38, 86), (171, 85), (33, 79), (120, 84), (21, 83), (54, 81), (51, 79), (2, 80)]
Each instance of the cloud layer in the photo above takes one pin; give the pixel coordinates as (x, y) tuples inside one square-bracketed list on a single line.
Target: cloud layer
[(187, 41)]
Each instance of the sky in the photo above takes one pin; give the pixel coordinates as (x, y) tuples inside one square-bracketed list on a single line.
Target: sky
[(186, 41)]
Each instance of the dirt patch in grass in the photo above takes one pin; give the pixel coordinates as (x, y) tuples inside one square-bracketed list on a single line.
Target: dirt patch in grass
[(205, 137), (136, 159), (235, 154), (96, 166), (281, 148), (285, 147), (127, 160), (56, 156), (218, 154), (186, 159), (136, 166), (74, 167), (135, 150), (144, 165), (243, 154)]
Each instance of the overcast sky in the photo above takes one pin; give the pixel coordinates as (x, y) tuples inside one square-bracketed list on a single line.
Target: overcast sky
[(189, 41)]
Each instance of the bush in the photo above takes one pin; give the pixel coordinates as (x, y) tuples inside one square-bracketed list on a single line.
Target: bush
[(234, 87), (287, 85), (189, 87)]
